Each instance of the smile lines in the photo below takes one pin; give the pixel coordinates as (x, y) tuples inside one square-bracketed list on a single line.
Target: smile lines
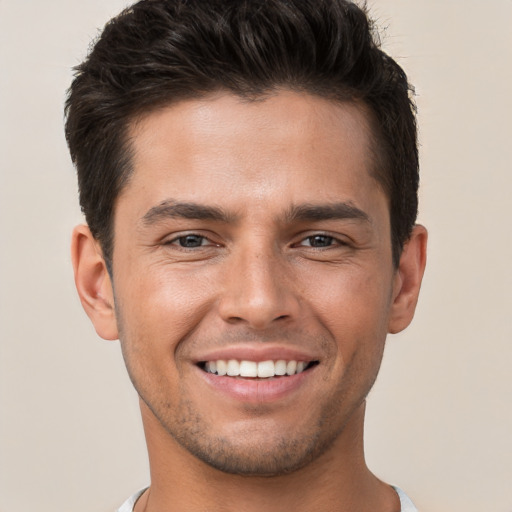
[(262, 369)]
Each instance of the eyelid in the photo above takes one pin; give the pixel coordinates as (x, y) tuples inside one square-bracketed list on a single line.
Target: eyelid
[(338, 240), (175, 237)]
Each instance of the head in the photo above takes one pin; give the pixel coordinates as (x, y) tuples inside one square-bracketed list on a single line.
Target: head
[(248, 171), (160, 52)]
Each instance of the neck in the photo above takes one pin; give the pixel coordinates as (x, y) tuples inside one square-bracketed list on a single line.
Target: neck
[(337, 481)]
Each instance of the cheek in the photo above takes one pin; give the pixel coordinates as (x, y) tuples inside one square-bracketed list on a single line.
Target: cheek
[(354, 306), (158, 308)]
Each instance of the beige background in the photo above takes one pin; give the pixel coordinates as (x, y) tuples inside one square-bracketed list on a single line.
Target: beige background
[(440, 417)]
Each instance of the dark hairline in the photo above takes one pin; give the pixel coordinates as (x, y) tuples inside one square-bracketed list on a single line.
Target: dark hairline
[(151, 55)]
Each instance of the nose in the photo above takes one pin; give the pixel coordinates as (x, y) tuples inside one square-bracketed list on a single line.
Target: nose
[(259, 289)]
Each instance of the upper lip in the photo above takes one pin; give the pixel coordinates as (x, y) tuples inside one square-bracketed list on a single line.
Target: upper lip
[(257, 354)]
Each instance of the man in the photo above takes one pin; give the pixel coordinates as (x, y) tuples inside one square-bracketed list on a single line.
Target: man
[(248, 171)]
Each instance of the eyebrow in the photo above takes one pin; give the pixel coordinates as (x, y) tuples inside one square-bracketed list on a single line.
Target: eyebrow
[(170, 209), (338, 211)]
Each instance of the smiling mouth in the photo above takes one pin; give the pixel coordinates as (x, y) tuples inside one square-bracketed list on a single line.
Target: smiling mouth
[(252, 369)]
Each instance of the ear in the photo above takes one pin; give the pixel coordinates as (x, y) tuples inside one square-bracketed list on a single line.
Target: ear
[(407, 280), (93, 282)]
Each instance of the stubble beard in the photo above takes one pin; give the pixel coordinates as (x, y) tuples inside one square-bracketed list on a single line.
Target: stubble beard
[(253, 451)]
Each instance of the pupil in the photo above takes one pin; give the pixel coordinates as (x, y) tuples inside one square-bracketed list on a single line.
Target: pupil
[(320, 241), (191, 241)]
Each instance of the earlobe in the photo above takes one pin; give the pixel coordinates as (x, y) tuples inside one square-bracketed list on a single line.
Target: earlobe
[(93, 282), (408, 280)]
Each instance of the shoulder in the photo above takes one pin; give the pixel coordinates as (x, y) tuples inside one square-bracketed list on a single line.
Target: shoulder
[(406, 505), (128, 505)]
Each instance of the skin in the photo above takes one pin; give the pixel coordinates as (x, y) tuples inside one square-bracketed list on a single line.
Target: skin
[(295, 256)]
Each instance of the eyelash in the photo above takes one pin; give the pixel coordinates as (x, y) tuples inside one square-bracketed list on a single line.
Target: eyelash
[(180, 240), (332, 241)]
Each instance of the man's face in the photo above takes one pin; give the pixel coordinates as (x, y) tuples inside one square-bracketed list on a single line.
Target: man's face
[(253, 232)]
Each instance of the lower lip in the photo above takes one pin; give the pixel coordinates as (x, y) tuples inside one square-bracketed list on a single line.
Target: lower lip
[(257, 390)]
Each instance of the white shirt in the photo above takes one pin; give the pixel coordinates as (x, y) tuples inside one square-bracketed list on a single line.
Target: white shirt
[(406, 505)]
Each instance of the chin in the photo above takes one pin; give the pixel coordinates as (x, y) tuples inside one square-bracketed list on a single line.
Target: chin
[(257, 447), (274, 457)]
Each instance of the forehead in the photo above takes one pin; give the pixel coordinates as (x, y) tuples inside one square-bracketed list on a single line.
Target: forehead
[(288, 148)]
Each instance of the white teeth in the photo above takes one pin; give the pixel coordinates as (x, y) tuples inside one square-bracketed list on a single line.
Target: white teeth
[(262, 369), (266, 369), (248, 369), (222, 367), (280, 367), (233, 368), (291, 367)]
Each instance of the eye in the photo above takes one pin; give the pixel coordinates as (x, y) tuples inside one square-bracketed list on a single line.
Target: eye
[(190, 241), (319, 241)]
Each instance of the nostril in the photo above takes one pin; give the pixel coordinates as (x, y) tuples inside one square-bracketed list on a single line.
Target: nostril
[(235, 319)]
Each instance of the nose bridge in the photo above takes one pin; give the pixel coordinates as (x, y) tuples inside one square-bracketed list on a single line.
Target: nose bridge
[(258, 289)]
